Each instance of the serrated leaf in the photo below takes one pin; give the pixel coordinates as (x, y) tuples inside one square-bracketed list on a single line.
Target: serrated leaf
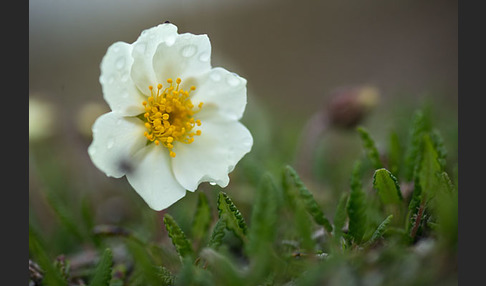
[(438, 143), (370, 147), (167, 277), (179, 240), (387, 186), (412, 156), (307, 198), (217, 234), (430, 168), (102, 273), (264, 215), (202, 218), (231, 215), (356, 206), (380, 230)]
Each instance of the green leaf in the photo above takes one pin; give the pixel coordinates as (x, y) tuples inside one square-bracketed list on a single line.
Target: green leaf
[(102, 274), (438, 143), (264, 215), (430, 168), (395, 152), (145, 270), (380, 230), (231, 215), (387, 186), (217, 234), (370, 147), (52, 275), (167, 277), (179, 240), (308, 199), (224, 271), (356, 206), (414, 207), (202, 219), (412, 156), (340, 216)]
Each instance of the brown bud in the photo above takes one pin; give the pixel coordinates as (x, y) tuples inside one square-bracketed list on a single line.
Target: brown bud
[(348, 106)]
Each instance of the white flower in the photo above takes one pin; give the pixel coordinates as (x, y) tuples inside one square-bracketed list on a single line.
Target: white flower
[(174, 120)]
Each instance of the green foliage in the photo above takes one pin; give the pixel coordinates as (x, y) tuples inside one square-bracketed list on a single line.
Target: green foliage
[(380, 230), (356, 207), (179, 240), (370, 147), (387, 186), (102, 274), (381, 221), (232, 217), (306, 197), (217, 234), (202, 219)]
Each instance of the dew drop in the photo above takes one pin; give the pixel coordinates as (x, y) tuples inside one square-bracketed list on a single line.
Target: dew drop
[(212, 183), (233, 80), (120, 63), (110, 143), (170, 40), (204, 57), (189, 51), (215, 76), (124, 77)]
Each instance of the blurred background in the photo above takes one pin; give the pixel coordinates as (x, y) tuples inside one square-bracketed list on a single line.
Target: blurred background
[(295, 56)]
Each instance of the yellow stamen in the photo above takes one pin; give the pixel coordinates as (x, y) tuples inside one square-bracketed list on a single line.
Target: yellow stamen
[(169, 116)]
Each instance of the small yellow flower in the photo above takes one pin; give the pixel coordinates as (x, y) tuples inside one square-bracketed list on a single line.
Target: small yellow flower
[(174, 120)]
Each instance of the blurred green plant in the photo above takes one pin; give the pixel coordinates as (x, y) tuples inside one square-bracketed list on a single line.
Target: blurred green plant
[(397, 218)]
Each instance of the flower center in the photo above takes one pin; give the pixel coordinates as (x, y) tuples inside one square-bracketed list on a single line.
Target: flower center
[(169, 116)]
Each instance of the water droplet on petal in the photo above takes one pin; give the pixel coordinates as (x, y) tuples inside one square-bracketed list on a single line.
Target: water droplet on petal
[(124, 77), (189, 51), (215, 76), (212, 183), (204, 57), (120, 63), (170, 40), (110, 143), (233, 80)]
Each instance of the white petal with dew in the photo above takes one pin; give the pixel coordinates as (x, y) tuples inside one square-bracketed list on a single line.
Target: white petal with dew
[(224, 90), (144, 48), (115, 139), (119, 91), (152, 178), (185, 58), (212, 155)]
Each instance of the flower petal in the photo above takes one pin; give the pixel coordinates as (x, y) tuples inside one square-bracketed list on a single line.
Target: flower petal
[(212, 155), (186, 58), (222, 89), (152, 178), (115, 139), (119, 91), (143, 52)]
